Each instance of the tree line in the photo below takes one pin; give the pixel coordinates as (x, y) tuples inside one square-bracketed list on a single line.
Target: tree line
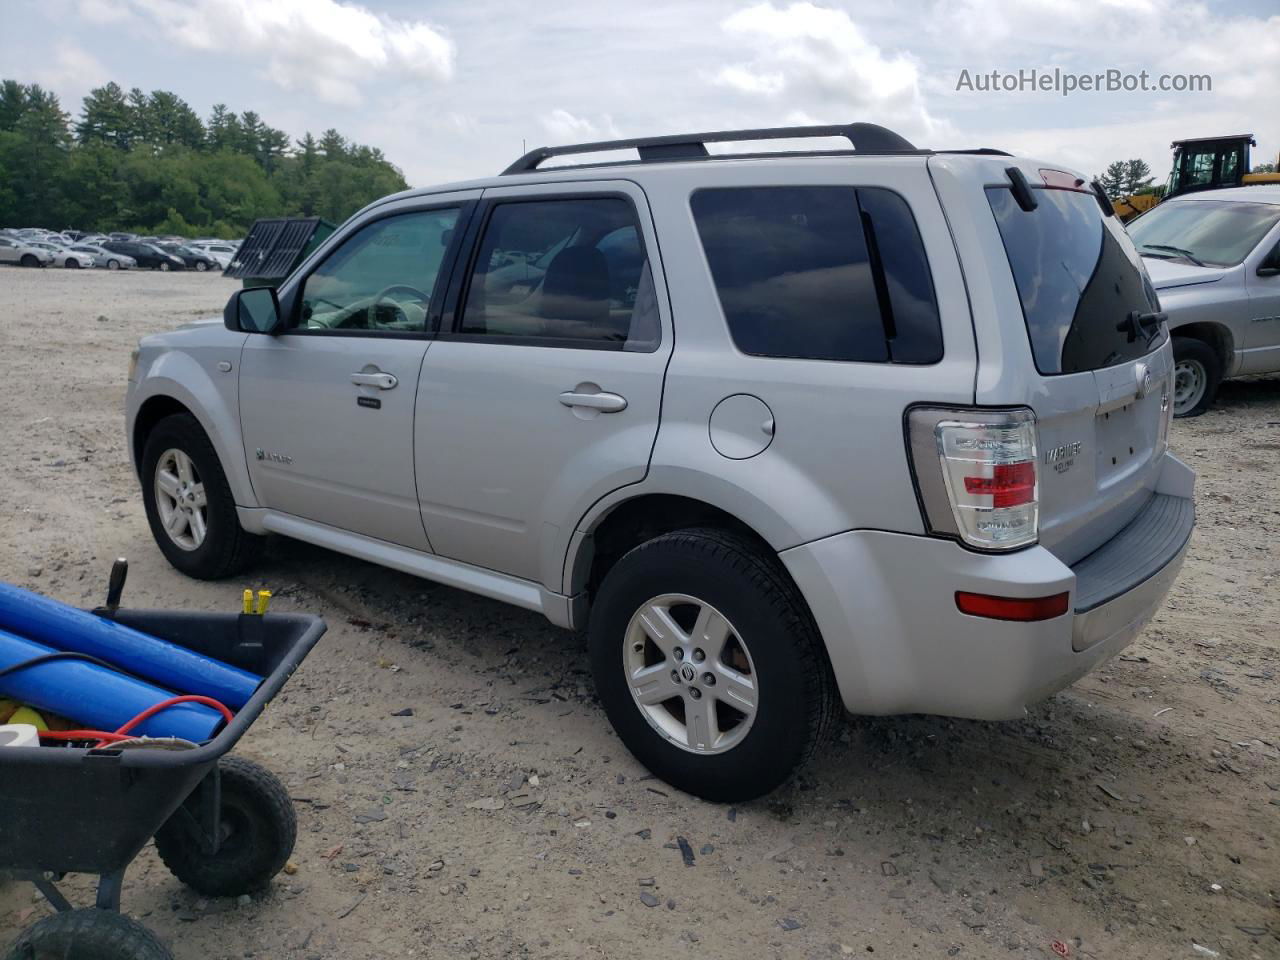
[(147, 162)]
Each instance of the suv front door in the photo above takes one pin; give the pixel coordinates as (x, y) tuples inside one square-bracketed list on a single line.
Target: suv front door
[(327, 406), (1262, 338), (542, 392)]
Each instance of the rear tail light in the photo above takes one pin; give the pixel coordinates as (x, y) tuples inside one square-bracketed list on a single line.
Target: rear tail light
[(976, 474)]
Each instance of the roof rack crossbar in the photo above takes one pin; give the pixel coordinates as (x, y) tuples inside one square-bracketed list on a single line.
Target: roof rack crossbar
[(866, 138)]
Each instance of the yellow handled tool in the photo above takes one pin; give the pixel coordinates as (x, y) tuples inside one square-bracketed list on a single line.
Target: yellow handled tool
[(264, 599), (248, 601)]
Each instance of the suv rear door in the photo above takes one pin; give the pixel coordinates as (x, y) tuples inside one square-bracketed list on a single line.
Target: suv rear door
[(1060, 296), (542, 391)]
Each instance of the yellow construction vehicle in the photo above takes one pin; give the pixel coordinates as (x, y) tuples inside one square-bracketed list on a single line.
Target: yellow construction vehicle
[(1203, 163)]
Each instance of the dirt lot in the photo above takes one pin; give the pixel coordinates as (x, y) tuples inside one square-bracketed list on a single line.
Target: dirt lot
[(1134, 815)]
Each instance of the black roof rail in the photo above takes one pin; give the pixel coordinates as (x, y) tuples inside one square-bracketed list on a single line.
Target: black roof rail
[(980, 152), (866, 138)]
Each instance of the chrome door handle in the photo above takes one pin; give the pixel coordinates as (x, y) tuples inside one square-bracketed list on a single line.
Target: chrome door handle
[(383, 381), (604, 402)]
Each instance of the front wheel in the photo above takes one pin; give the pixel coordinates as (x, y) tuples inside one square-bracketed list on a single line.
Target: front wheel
[(258, 832), (164, 265), (201, 266), (72, 264), (709, 665), (88, 935), (113, 264), (1197, 373), (29, 260), (189, 504)]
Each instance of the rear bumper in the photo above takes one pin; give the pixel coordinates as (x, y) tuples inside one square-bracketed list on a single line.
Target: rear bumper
[(885, 605)]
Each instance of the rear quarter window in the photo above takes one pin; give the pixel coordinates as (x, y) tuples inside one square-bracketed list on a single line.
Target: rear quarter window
[(820, 273)]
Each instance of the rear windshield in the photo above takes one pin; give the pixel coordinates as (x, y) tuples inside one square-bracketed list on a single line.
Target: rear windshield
[(1079, 280), (1210, 233)]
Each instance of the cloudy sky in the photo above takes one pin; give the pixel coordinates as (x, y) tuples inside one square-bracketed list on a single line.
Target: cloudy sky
[(449, 89)]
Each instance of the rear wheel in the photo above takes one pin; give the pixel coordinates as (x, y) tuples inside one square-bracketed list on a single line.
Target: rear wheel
[(258, 832), (189, 503), (1197, 373), (30, 260), (88, 935), (708, 664)]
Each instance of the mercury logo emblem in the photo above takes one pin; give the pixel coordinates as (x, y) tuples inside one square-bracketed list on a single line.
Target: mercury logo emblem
[(688, 673), (1143, 375)]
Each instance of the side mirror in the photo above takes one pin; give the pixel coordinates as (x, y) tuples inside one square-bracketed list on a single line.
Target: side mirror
[(255, 310)]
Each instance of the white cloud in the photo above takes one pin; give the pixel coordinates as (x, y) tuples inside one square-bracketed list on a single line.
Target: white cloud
[(71, 71), (103, 11), (811, 60), (329, 48), (565, 127)]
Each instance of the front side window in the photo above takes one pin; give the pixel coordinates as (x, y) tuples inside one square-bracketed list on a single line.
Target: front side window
[(569, 272), (381, 277), (820, 273)]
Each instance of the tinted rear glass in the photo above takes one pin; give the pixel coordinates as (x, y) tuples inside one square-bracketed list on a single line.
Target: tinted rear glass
[(820, 273), (1078, 277)]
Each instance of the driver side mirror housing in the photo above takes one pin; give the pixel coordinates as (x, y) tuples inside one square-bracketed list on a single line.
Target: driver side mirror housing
[(253, 310)]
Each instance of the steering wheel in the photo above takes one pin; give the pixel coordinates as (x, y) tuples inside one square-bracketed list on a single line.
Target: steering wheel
[(387, 291)]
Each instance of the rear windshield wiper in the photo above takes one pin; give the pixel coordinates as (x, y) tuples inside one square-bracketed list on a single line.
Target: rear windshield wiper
[(1180, 251)]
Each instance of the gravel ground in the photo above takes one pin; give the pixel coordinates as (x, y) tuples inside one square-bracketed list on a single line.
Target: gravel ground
[(1136, 814)]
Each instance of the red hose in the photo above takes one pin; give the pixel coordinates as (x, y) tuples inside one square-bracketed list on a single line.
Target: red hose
[(103, 737)]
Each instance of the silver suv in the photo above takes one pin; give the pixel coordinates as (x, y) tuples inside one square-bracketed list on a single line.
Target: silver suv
[(884, 428)]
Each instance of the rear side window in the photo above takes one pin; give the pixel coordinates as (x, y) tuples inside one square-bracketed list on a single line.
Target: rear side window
[(820, 273), (1078, 277)]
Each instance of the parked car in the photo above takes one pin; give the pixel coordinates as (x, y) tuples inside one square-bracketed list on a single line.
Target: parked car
[(223, 253), (192, 258), (886, 429), (1214, 258), (146, 254), (123, 236), (64, 256), (103, 257), (16, 250)]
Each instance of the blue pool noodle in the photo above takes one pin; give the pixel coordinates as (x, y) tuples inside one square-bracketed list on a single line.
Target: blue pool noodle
[(95, 697), (38, 618)]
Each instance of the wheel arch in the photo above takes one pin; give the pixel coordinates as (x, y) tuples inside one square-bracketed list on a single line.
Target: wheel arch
[(189, 391), (1216, 335)]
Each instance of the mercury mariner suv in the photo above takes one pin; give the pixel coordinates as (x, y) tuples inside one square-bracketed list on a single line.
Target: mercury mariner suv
[(878, 427)]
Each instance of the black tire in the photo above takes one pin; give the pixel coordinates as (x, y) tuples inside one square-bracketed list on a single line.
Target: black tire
[(201, 266), (71, 264), (29, 260), (1202, 360), (227, 548), (259, 830), (797, 700), (88, 935)]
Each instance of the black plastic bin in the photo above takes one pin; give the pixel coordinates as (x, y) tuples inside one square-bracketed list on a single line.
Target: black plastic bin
[(75, 810)]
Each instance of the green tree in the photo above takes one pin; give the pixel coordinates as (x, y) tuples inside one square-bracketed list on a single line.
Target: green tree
[(105, 117), (1137, 176), (1113, 179), (173, 121), (1264, 168)]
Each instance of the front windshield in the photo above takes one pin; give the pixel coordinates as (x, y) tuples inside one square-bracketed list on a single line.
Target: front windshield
[(1210, 233)]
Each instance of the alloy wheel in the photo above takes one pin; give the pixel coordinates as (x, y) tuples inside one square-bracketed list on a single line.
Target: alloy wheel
[(181, 499), (690, 673)]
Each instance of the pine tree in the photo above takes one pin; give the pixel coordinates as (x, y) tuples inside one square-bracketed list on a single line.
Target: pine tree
[(104, 117), (333, 146), (1137, 176), (1113, 179)]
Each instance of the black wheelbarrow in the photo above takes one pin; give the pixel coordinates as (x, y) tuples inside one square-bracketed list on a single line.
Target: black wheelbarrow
[(222, 824)]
